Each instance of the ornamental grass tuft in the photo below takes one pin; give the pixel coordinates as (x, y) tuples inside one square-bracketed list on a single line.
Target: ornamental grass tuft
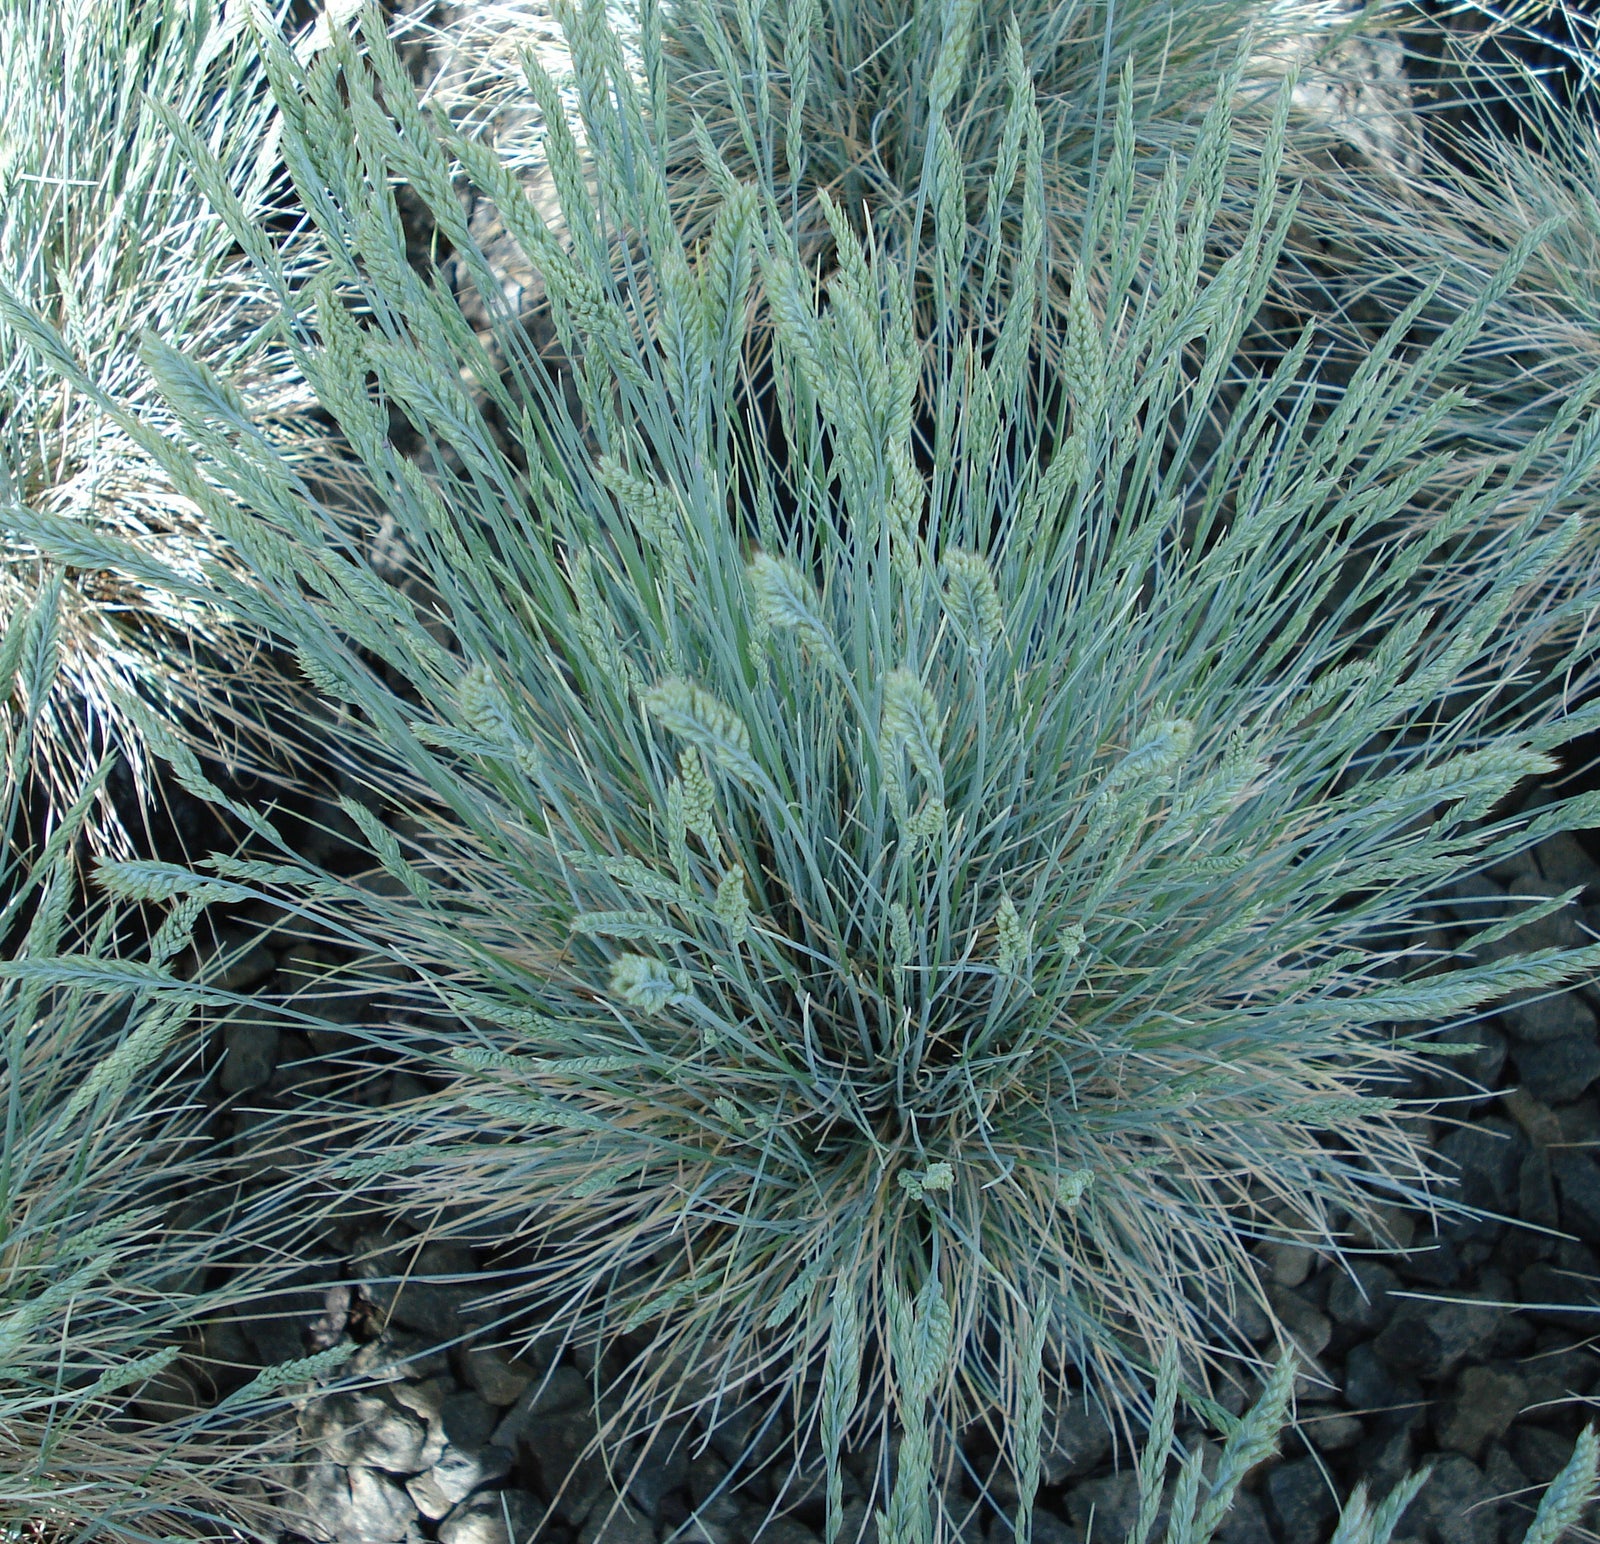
[(1536, 359), (108, 1266), (894, 922), (106, 231)]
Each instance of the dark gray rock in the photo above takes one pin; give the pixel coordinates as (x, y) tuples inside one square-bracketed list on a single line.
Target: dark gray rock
[(1250, 1319), (1047, 1529), (572, 1470), (1385, 1455), (496, 1378), (1559, 1017), (963, 1522), (1434, 1263), (661, 1469), (1478, 901), (1485, 1158), (1536, 1192), (1246, 1522), (1456, 1505), (238, 961), (1506, 1479), (1298, 1500), (747, 1437), (1565, 862), (1547, 1291), (718, 1520), (1432, 1339), (613, 1521), (344, 1505), (1306, 1325), (312, 981), (1560, 1376), (563, 1388), (423, 1288), (1108, 1506), (249, 1051), (1080, 1440), (278, 1328), (1358, 1296), (856, 1523), (1540, 1454), (1466, 1078), (1330, 1430), (1372, 1383), (1577, 1181), (468, 1421), (1480, 1409), (1558, 1071), (1561, 930)]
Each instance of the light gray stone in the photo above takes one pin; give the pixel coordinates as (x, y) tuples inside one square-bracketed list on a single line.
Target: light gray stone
[(429, 1497), (495, 1517), (460, 1471), (363, 1428), (425, 1397), (346, 1505), (1288, 1264), (396, 1357)]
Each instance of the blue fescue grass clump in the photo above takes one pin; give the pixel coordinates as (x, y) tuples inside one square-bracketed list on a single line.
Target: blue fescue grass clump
[(906, 915), (108, 1268)]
